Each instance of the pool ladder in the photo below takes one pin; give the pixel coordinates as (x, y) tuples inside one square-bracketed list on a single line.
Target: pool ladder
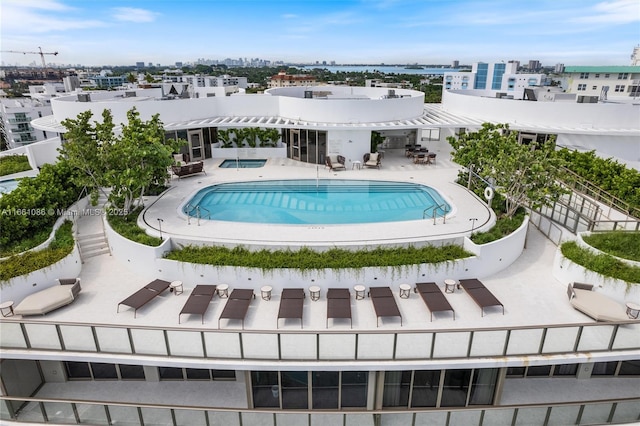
[(434, 212), (197, 209)]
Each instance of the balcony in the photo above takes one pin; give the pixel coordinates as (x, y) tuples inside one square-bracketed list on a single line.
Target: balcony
[(19, 120), (21, 129)]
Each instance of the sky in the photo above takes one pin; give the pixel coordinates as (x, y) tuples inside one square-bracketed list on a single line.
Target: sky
[(118, 32)]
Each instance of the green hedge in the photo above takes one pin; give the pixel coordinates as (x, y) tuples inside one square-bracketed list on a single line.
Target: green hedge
[(503, 227), (35, 205), (603, 264), (618, 243), (307, 259), (59, 248), (127, 226), (11, 164)]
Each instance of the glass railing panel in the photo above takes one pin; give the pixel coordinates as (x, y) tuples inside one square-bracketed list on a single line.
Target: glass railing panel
[(43, 336), (359, 419), (77, 338), (92, 414), (498, 416), (375, 346), (560, 339), (488, 343), (396, 419), (226, 418), (324, 419), (60, 413), (121, 415), (595, 414), (431, 418), (28, 411), (525, 341), (290, 419), (413, 345), (531, 416), (465, 418), (260, 346), (11, 335), (156, 416), (627, 337), (564, 415), (190, 418), (337, 346), (298, 346), (449, 345), (115, 340), (5, 411), (148, 342), (185, 343), (626, 411), (595, 338), (261, 419), (222, 345)]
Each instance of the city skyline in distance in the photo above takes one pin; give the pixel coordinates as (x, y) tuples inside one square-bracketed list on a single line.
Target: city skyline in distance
[(116, 32)]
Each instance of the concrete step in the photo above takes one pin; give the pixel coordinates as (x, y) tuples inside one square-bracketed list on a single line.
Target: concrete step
[(94, 245), (95, 253), (93, 236)]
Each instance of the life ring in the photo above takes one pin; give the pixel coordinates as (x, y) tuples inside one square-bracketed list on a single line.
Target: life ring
[(488, 193)]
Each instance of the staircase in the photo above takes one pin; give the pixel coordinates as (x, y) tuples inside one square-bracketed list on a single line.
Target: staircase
[(91, 237)]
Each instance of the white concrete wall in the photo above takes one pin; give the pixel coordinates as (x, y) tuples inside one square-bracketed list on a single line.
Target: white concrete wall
[(548, 114), (352, 144), (45, 152)]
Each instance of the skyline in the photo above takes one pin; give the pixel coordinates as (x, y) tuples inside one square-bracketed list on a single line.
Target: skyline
[(117, 32)]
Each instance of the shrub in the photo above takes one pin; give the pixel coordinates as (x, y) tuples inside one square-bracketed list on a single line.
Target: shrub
[(59, 248), (307, 259), (14, 164), (127, 226), (618, 243), (603, 264), (503, 227)]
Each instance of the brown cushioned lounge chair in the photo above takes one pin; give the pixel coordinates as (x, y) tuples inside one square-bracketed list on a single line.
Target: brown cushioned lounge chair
[(237, 305), (434, 299), (480, 294), (291, 304), (339, 304), (198, 301), (384, 303), (144, 295)]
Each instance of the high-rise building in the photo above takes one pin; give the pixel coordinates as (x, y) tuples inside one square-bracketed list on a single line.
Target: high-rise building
[(534, 65)]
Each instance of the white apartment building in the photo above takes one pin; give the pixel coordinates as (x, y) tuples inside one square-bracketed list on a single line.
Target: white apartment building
[(592, 83), (494, 79), (282, 79), (16, 115)]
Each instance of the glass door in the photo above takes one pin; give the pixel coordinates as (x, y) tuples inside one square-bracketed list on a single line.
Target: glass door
[(195, 145)]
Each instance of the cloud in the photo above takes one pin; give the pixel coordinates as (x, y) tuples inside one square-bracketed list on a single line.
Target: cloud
[(36, 17), (38, 4), (133, 14), (612, 12), (289, 16)]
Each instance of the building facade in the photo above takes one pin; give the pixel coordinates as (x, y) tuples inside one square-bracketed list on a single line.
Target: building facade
[(603, 83)]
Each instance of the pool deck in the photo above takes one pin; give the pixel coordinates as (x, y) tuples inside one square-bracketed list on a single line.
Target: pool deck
[(395, 167)]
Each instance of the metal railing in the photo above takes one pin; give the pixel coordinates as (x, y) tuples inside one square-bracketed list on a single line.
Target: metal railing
[(198, 214), (319, 345), (65, 411), (434, 212), (19, 120)]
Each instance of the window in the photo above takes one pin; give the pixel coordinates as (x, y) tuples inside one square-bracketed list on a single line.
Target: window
[(594, 87), (396, 388), (584, 75), (582, 87), (539, 371), (619, 88), (483, 386), (630, 368), (104, 371), (426, 384), (567, 370), (481, 76), (170, 373), (623, 76), (77, 370), (131, 372), (604, 368), (455, 388), (597, 76), (607, 75)]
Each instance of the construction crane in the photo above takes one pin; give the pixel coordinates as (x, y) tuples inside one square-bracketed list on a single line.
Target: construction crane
[(40, 52)]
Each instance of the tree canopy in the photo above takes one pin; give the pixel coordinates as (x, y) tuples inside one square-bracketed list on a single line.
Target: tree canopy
[(526, 175), (129, 163)]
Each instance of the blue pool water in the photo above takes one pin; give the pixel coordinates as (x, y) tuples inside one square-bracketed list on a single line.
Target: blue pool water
[(315, 202), (242, 164), (6, 186)]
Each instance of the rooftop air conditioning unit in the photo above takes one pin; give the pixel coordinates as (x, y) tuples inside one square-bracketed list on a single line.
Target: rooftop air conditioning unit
[(84, 97), (308, 94), (391, 93), (130, 94)]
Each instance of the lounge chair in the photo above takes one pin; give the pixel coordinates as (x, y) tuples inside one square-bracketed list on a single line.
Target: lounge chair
[(434, 299), (372, 159), (188, 169), (339, 304), (335, 162), (480, 294), (384, 303), (237, 305), (198, 301), (49, 299), (594, 304), (144, 295), (291, 304)]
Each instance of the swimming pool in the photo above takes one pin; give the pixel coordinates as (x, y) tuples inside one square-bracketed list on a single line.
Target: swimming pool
[(312, 202), (242, 164), (6, 186)]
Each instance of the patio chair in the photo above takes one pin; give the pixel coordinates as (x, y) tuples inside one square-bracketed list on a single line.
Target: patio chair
[(291, 305), (237, 305), (339, 304), (144, 295), (434, 299), (372, 159), (384, 303), (198, 301), (335, 162), (480, 294)]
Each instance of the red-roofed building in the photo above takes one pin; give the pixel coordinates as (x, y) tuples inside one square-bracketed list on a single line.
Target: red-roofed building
[(285, 80)]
